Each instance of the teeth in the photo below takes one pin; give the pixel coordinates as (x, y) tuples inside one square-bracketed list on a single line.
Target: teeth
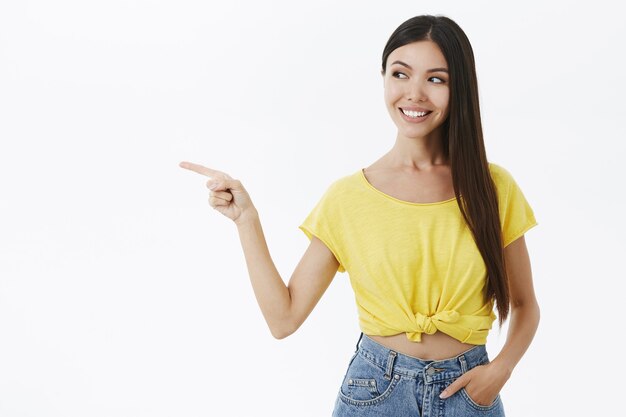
[(411, 113)]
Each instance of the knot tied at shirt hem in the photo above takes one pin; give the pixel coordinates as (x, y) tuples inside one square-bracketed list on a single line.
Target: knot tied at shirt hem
[(429, 324)]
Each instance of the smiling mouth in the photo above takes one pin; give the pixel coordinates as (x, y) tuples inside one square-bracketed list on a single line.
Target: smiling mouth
[(413, 114)]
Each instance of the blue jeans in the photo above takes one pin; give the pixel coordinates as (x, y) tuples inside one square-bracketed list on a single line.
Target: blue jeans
[(383, 383)]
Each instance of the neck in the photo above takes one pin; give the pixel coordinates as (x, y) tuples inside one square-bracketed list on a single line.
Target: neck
[(417, 153)]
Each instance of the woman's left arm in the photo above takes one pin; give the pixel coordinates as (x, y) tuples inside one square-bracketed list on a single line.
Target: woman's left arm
[(524, 307), (483, 383)]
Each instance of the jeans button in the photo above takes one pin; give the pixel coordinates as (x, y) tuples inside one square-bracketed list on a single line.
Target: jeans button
[(430, 371)]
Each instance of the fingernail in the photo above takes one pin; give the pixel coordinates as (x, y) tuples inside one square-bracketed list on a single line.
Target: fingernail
[(443, 395), (213, 185)]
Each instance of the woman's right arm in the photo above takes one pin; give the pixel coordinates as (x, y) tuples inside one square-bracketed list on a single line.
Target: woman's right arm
[(284, 307)]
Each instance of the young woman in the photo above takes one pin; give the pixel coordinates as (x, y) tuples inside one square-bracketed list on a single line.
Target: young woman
[(431, 234)]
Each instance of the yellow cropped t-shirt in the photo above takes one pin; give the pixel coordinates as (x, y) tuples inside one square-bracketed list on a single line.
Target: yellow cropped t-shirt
[(414, 267)]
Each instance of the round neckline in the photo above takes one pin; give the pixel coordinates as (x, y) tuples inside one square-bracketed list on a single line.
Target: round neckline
[(411, 203)]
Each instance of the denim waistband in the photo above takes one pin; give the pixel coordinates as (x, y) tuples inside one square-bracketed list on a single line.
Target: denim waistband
[(430, 370)]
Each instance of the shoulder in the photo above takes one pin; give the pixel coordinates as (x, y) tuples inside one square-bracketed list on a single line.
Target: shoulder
[(343, 184), (501, 176), (337, 192), (498, 171)]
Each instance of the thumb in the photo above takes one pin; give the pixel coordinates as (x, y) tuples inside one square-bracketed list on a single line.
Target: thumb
[(220, 184), (455, 386)]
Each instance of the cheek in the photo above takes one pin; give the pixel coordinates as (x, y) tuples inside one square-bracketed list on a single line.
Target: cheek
[(392, 95), (441, 100)]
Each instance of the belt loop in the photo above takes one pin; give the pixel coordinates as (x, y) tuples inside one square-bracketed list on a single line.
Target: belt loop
[(359, 341), (390, 360), (463, 364)]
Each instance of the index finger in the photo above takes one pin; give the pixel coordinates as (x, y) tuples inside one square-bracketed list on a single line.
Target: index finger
[(200, 169)]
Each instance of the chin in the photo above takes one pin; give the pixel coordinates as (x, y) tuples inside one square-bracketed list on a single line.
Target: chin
[(416, 133)]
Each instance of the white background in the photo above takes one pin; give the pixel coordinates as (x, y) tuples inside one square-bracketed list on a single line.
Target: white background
[(123, 293)]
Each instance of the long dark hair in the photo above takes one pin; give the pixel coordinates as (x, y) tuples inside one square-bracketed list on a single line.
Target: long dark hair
[(463, 146)]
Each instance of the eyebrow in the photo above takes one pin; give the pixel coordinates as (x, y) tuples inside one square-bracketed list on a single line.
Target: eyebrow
[(430, 70)]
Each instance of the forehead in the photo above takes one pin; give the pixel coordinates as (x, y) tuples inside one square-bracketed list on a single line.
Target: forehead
[(421, 54)]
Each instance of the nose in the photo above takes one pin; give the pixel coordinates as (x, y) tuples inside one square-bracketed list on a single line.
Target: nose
[(415, 92)]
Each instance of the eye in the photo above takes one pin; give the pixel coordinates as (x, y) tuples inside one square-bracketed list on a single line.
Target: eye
[(441, 80), (399, 75)]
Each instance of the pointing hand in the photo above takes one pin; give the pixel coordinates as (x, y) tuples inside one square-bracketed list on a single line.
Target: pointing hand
[(228, 196)]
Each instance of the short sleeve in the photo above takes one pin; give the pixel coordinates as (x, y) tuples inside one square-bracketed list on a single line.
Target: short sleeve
[(323, 221), (517, 216)]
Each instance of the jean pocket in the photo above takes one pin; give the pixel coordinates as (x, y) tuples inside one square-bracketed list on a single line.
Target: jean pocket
[(460, 404), (365, 383), (475, 405)]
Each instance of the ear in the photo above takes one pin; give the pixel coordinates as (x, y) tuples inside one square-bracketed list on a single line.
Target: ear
[(382, 72)]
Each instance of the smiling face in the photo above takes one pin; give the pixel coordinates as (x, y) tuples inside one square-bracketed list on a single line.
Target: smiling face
[(416, 88)]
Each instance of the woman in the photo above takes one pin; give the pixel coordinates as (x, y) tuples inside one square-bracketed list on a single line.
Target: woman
[(432, 235)]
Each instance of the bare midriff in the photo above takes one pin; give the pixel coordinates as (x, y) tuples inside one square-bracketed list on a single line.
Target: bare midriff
[(435, 346)]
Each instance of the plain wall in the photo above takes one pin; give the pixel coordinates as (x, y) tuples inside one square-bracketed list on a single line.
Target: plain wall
[(123, 293)]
